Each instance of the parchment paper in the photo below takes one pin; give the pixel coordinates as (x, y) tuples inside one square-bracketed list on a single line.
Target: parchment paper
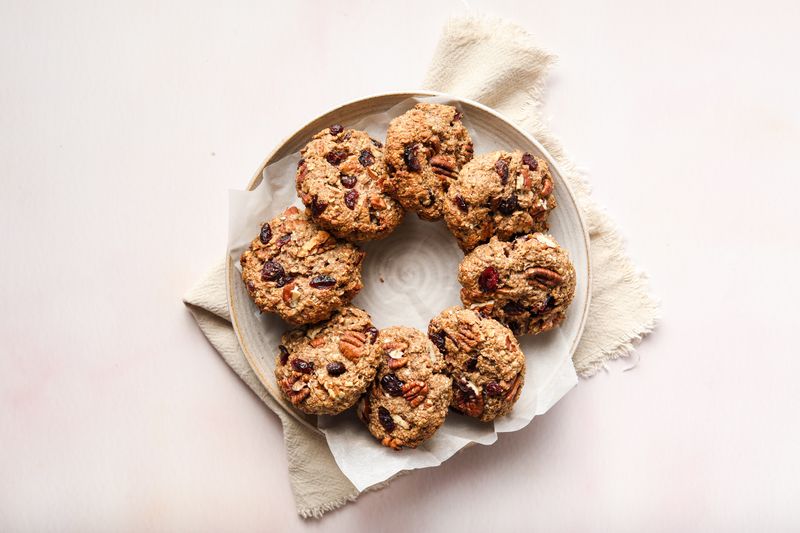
[(409, 277)]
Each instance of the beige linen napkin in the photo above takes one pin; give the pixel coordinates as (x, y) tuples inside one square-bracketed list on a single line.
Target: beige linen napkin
[(497, 64)]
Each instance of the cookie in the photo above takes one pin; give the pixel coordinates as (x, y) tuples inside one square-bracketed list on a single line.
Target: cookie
[(299, 271), (527, 284), (340, 178), (425, 149), (484, 360), (503, 194), (408, 400), (325, 368)]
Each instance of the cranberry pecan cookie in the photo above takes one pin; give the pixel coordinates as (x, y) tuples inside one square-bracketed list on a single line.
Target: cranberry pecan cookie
[(340, 179), (527, 284), (408, 400), (500, 193), (484, 360), (325, 368), (299, 271), (425, 149)]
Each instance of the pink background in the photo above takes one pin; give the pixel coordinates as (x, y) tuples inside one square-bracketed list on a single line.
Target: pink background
[(123, 126)]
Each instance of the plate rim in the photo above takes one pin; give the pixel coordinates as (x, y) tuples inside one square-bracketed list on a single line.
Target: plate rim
[(258, 175)]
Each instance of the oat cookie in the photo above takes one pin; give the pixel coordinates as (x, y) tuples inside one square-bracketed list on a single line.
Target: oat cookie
[(500, 193), (299, 271), (408, 400), (324, 368), (340, 180), (527, 284), (484, 360), (425, 149)]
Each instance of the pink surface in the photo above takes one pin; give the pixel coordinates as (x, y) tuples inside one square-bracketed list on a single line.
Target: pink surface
[(121, 130)]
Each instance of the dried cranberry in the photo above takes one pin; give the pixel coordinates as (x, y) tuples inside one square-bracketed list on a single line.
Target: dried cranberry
[(549, 303), (350, 198), (366, 158), (322, 282), (493, 389), (411, 159), (283, 239), (336, 129), (300, 163), (508, 205), (304, 367), (372, 331), (461, 203), (472, 364), (489, 279), (501, 167), (335, 369), (348, 181), (530, 161), (317, 207), (336, 156), (272, 270), (280, 282), (266, 234), (457, 116), (376, 142), (438, 339), (392, 385), (284, 353), (385, 418), (464, 387), (514, 308)]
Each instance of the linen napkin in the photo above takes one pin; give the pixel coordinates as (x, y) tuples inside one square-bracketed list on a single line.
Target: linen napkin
[(496, 63)]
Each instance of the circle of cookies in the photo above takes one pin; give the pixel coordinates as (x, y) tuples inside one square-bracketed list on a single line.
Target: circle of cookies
[(527, 284), (425, 150), (484, 360), (325, 368), (299, 271), (502, 194), (409, 398), (340, 178)]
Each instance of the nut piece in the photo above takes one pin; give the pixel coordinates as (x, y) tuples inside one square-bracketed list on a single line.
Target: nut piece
[(444, 166), (351, 344), (543, 276), (414, 392), (394, 364), (392, 442)]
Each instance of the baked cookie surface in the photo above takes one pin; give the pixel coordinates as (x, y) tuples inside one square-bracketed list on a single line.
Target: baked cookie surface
[(408, 400), (325, 368), (340, 179), (300, 271), (503, 194), (425, 149), (484, 360), (526, 284)]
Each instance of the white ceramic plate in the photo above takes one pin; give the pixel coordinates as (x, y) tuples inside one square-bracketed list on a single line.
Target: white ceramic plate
[(398, 276)]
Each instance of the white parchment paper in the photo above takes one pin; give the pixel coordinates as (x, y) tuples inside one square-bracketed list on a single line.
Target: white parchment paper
[(409, 277)]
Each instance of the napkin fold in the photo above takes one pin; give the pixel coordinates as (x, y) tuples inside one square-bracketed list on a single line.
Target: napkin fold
[(498, 64)]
